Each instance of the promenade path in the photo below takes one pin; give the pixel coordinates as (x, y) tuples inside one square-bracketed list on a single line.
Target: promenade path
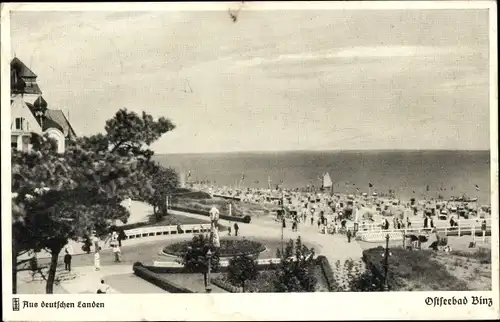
[(333, 247)]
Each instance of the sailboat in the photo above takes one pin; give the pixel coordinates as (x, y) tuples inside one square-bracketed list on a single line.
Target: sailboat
[(327, 181)]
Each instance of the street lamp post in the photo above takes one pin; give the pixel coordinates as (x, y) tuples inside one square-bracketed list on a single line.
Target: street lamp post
[(209, 287), (282, 219), (386, 262)]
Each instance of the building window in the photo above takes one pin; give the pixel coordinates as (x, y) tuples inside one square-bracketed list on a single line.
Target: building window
[(19, 123), (13, 145)]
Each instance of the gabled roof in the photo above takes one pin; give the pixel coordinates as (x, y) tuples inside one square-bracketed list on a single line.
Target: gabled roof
[(19, 76), (54, 119), (21, 68), (59, 118)]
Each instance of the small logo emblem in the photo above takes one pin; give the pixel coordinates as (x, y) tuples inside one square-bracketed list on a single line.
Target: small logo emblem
[(15, 304)]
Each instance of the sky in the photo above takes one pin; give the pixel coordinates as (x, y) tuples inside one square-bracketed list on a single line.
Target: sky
[(272, 80)]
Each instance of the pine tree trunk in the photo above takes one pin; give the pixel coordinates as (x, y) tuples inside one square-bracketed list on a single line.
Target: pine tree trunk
[(14, 269), (49, 288)]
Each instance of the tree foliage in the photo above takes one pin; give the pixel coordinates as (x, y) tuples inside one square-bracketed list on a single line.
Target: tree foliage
[(241, 269), (64, 196), (195, 260), (295, 273)]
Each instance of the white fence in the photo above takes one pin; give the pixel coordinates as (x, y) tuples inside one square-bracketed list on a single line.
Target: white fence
[(222, 262), (373, 227), (462, 229), (145, 232)]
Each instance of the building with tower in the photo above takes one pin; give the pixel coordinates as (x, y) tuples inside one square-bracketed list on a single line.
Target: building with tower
[(30, 114)]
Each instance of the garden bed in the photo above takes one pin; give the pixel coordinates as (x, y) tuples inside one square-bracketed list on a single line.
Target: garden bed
[(229, 248)]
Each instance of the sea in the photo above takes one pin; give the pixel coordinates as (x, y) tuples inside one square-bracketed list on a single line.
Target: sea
[(420, 174)]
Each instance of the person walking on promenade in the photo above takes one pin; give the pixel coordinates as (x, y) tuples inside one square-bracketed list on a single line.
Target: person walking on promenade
[(349, 235), (483, 230), (229, 230), (97, 260), (426, 222), (408, 222), (67, 261), (103, 288), (312, 220), (34, 267), (236, 228), (432, 223)]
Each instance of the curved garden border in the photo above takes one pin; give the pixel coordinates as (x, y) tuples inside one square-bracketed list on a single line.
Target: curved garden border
[(259, 249)]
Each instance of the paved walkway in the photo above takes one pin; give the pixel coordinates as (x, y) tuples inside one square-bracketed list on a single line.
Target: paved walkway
[(333, 247)]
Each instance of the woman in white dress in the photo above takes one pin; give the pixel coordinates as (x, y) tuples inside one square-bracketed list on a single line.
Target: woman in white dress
[(97, 260)]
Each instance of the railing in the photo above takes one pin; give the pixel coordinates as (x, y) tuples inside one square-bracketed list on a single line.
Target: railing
[(166, 230), (398, 234), (372, 227)]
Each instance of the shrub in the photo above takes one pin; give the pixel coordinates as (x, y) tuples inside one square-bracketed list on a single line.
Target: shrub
[(443, 241), (241, 269), (327, 271), (218, 281)]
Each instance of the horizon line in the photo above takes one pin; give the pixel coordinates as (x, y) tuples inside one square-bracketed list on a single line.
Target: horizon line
[(327, 150)]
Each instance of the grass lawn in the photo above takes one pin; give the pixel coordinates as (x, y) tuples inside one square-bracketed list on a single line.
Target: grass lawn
[(238, 208), (426, 270), (172, 219), (473, 267)]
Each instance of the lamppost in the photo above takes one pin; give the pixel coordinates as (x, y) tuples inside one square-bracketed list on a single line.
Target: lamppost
[(386, 263), (282, 219), (208, 288)]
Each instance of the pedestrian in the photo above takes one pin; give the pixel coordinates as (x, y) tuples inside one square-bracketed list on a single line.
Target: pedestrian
[(432, 223), (97, 260), (426, 222), (483, 230), (117, 253), (121, 236), (229, 230), (319, 222), (103, 288), (34, 266), (312, 220), (236, 228), (408, 222), (349, 235), (67, 261)]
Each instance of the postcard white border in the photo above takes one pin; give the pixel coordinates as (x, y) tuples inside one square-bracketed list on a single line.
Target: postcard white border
[(310, 306)]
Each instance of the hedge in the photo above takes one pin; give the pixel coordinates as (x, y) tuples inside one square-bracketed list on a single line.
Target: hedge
[(225, 285), (245, 219), (322, 261), (154, 278)]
